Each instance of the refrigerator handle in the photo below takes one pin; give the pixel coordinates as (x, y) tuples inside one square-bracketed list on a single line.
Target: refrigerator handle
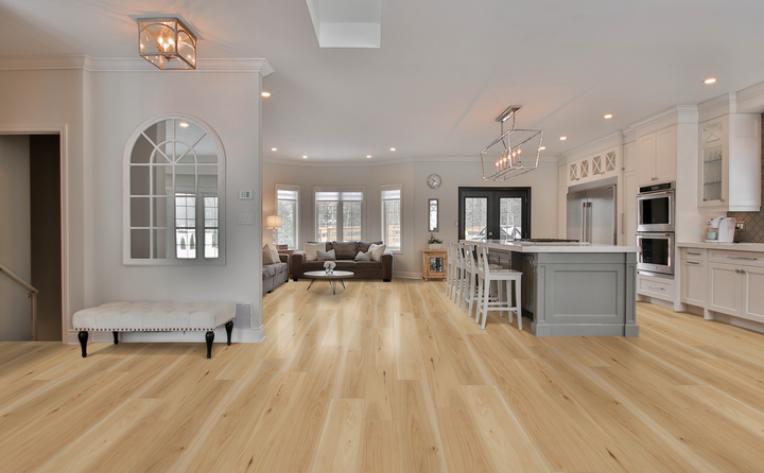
[(583, 222), (588, 222)]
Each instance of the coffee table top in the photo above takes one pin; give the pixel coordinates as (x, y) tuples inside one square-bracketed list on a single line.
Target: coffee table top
[(337, 274)]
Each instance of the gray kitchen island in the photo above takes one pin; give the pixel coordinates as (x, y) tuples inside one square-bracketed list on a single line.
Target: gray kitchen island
[(575, 289)]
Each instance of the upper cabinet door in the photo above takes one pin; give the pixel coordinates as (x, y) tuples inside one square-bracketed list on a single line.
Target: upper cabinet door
[(713, 157), (646, 153), (630, 157), (665, 158)]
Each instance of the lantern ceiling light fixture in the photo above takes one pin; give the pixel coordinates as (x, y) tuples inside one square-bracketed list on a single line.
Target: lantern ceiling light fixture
[(166, 43), (516, 150)]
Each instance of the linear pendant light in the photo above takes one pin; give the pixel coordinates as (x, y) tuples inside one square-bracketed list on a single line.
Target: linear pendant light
[(516, 151)]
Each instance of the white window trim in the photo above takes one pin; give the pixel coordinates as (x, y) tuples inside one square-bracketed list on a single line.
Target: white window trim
[(290, 187), (390, 187), (127, 259), (362, 190)]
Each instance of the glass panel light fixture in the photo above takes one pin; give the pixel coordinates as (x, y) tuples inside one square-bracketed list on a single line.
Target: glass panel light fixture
[(515, 152), (167, 43)]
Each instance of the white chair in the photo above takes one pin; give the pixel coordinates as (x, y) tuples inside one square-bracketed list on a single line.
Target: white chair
[(452, 270), (470, 293), (509, 278)]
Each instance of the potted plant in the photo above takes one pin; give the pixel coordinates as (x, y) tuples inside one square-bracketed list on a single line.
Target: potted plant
[(434, 243)]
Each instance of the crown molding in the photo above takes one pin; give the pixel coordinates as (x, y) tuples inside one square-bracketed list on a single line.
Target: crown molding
[(129, 64), (545, 160), (607, 142)]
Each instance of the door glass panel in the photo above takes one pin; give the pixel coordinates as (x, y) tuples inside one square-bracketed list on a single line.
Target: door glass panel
[(511, 218), (475, 218)]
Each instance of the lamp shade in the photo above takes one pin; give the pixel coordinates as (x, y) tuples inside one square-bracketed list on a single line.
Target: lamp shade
[(273, 221)]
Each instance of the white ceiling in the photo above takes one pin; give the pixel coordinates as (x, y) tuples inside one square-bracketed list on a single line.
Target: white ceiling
[(446, 68)]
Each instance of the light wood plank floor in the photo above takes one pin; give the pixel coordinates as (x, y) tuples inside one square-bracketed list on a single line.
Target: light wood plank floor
[(391, 377)]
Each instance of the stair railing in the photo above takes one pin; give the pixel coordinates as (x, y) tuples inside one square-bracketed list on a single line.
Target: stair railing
[(31, 293)]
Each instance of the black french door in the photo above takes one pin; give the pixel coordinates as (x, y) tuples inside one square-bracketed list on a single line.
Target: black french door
[(494, 213)]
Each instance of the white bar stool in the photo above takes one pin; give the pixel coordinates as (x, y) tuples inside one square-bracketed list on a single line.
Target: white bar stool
[(512, 279), (451, 271), (471, 270)]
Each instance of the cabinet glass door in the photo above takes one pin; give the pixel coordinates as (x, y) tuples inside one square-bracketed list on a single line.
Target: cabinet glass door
[(712, 154)]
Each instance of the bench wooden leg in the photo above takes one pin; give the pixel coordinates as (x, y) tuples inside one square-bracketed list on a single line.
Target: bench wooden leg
[(228, 330), (116, 338), (210, 337), (83, 336)]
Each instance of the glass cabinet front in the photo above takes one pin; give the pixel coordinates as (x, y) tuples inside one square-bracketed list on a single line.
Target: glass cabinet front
[(712, 142)]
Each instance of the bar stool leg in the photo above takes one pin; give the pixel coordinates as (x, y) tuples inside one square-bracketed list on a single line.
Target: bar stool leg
[(479, 308), (486, 292), (509, 286)]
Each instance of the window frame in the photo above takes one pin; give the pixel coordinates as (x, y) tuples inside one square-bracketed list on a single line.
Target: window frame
[(340, 223), (383, 230), (292, 188), (171, 259)]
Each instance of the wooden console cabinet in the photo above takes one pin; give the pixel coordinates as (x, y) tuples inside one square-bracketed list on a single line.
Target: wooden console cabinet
[(434, 264)]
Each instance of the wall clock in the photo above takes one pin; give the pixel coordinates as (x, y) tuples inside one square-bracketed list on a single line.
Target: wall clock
[(434, 181)]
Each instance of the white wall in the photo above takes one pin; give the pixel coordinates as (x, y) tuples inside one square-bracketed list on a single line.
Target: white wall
[(411, 175), (15, 243), (98, 109)]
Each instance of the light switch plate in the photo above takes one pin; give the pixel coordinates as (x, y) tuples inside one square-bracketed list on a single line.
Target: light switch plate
[(245, 195)]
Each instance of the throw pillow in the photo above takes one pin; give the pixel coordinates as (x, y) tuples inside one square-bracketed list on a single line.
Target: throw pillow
[(361, 256), (312, 249), (270, 254), (345, 250), (376, 251), (326, 255)]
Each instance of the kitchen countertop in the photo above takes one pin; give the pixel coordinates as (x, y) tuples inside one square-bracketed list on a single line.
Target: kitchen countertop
[(554, 247), (723, 246)]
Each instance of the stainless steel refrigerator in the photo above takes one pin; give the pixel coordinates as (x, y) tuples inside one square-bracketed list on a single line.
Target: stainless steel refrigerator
[(592, 216)]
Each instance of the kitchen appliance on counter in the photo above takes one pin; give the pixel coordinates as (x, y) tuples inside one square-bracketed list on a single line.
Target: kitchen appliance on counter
[(592, 216), (655, 230), (721, 230)]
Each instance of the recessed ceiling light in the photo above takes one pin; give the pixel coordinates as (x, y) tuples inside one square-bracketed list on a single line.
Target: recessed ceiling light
[(563, 138), (304, 156), (542, 148), (710, 81), (392, 148), (607, 116), (265, 94), (368, 156), (183, 124), (274, 149)]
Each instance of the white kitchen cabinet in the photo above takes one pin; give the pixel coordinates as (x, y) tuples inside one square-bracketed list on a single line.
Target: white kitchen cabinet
[(592, 168), (753, 301), (630, 157), (693, 282), (653, 157), (725, 282), (665, 158), (656, 287), (729, 162)]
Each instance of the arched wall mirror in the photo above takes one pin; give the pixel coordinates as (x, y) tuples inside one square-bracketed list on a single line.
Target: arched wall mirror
[(175, 194)]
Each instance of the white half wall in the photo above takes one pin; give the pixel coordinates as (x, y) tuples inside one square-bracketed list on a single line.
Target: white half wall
[(15, 242), (411, 175)]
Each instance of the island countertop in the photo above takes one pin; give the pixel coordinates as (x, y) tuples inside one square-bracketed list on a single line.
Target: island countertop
[(553, 247)]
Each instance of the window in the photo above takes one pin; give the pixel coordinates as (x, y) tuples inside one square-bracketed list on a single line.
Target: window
[(173, 204), (287, 207), (391, 218), (339, 215)]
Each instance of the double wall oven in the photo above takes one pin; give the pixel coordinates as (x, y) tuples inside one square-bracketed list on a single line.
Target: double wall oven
[(655, 229)]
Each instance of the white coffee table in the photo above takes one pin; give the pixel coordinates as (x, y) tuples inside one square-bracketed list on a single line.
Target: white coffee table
[(335, 276)]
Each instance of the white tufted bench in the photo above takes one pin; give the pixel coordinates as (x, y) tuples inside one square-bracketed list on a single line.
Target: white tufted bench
[(118, 317)]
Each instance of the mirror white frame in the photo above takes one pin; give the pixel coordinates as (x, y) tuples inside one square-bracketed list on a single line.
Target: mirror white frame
[(127, 257), (430, 227)]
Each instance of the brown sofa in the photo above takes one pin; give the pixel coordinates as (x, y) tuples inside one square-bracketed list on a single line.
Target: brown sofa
[(345, 253)]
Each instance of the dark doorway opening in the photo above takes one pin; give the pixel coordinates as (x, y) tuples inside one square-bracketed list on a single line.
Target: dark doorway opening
[(494, 213)]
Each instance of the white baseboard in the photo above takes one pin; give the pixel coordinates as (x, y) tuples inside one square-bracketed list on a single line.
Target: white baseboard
[(407, 275), (240, 335)]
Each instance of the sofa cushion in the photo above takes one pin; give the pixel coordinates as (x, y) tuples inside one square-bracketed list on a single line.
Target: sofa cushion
[(361, 256), (326, 255), (270, 254), (345, 249), (376, 252), (312, 249), (364, 245)]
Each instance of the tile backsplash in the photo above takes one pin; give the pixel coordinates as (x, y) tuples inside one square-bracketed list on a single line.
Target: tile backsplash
[(753, 222)]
